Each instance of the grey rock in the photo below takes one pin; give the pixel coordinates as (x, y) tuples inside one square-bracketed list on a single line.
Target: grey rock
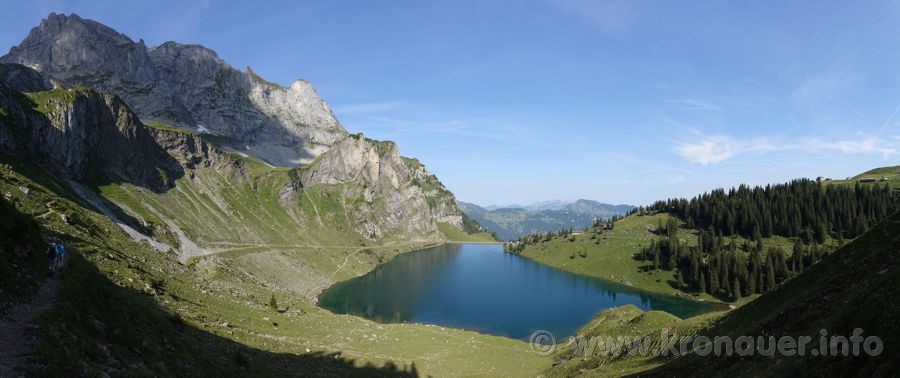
[(185, 85), (89, 133), (400, 197), (23, 79), (83, 134)]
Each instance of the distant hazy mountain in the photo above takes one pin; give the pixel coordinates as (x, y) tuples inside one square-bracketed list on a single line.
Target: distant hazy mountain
[(513, 221), (537, 206), (597, 209)]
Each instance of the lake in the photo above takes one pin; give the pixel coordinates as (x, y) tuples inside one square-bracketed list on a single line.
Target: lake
[(479, 287)]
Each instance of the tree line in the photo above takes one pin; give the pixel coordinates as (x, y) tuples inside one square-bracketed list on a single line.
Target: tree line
[(720, 267), (802, 208)]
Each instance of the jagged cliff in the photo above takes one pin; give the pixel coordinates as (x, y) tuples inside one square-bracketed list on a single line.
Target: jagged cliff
[(185, 85), (393, 192), (84, 135), (188, 194)]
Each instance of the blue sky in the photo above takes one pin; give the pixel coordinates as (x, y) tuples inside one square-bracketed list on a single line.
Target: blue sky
[(520, 101)]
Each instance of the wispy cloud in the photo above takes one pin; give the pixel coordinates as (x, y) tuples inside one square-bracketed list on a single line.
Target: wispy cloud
[(677, 179), (496, 128), (815, 90), (718, 148), (861, 146), (369, 107), (609, 16), (693, 104), (712, 149)]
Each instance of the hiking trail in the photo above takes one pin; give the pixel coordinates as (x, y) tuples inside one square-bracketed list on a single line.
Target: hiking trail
[(19, 333)]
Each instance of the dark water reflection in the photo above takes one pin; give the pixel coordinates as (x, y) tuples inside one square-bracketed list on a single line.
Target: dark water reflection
[(479, 287)]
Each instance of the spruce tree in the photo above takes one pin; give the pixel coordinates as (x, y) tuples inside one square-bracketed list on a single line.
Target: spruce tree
[(702, 282), (770, 274)]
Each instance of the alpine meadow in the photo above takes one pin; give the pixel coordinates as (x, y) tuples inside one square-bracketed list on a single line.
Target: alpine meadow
[(547, 188)]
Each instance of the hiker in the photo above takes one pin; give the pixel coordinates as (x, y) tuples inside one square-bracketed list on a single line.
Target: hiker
[(60, 256), (51, 257)]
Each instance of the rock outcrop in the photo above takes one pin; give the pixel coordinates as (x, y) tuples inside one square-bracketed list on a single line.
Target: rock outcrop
[(201, 114), (185, 85), (397, 195), (84, 135), (23, 79)]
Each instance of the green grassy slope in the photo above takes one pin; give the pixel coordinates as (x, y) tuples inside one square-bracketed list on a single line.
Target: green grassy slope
[(23, 262), (853, 288), (609, 254), (892, 174), (856, 287), (257, 219), (455, 235), (125, 308), (581, 357)]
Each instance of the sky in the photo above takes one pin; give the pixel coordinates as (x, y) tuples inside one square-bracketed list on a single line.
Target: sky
[(522, 101)]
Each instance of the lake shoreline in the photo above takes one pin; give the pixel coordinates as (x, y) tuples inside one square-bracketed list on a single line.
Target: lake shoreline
[(686, 296), (455, 285)]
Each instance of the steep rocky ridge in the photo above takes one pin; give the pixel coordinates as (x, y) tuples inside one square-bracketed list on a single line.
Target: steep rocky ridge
[(23, 79), (176, 187), (185, 85), (384, 183), (84, 135), (194, 189)]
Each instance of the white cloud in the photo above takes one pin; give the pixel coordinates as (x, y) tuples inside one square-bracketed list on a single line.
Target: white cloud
[(369, 107), (862, 146), (498, 128), (718, 148), (694, 104)]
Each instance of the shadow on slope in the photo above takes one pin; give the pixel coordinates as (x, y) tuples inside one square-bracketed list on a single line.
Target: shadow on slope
[(108, 319), (99, 327), (856, 287), (84, 135)]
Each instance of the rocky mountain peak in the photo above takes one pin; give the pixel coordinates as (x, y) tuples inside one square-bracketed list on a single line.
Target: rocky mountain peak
[(65, 47), (85, 135), (188, 86)]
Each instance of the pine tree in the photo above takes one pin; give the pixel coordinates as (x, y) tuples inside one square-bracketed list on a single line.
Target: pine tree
[(702, 282), (713, 281), (736, 290), (797, 257), (656, 259), (273, 304)]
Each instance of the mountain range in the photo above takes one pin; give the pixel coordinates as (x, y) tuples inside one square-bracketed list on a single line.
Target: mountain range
[(154, 130), (512, 222), (184, 85), (204, 209)]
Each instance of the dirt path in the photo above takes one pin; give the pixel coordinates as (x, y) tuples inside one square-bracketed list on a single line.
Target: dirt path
[(18, 332), (98, 202)]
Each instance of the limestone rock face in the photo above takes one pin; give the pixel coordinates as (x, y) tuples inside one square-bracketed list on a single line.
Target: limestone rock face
[(84, 130), (398, 196), (86, 135), (185, 85), (23, 79)]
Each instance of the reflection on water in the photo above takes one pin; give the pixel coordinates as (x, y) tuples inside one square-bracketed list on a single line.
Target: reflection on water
[(481, 288)]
